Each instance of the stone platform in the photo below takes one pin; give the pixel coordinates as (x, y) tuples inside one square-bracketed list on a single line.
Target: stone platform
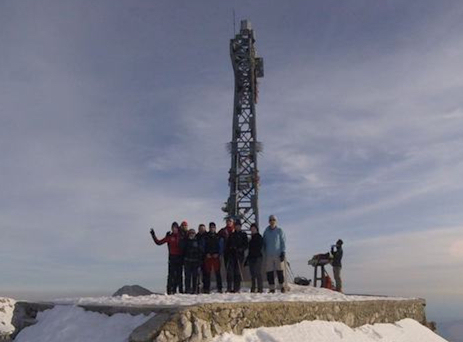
[(204, 321)]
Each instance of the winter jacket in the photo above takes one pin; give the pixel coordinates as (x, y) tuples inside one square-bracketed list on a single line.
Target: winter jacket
[(225, 232), (202, 240), (337, 256), (192, 252), (255, 246), (213, 244), (236, 244), (173, 242), (274, 241)]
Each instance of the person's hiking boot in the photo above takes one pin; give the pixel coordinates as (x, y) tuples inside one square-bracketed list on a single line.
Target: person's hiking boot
[(271, 291), (283, 290)]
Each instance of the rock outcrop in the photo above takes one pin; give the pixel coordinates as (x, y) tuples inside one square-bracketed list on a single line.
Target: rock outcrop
[(133, 291), (203, 322)]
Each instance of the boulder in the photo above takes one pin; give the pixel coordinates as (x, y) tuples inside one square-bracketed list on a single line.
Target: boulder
[(133, 291)]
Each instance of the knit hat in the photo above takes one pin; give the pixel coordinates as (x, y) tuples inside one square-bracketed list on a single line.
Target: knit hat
[(255, 226), (174, 224), (272, 217), (184, 223)]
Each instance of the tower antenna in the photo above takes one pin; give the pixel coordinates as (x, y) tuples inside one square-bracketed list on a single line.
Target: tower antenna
[(234, 22)]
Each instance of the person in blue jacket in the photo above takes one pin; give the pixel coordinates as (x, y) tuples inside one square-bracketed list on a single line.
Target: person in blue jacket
[(275, 250)]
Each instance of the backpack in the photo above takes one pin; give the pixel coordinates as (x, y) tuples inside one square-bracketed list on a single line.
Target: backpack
[(302, 281)]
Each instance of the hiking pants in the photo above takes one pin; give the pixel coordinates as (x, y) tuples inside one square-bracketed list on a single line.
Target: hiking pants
[(191, 278), (255, 267), (174, 273), (337, 278), (233, 274)]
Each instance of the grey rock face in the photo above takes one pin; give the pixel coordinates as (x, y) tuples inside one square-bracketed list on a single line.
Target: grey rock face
[(133, 291)]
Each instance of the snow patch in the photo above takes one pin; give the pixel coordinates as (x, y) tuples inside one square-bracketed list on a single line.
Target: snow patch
[(406, 330), (296, 294), (74, 324)]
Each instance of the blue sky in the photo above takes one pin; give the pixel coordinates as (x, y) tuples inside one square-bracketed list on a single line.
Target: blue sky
[(114, 118)]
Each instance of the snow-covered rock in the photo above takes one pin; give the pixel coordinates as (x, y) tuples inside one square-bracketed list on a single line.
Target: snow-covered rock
[(6, 314)]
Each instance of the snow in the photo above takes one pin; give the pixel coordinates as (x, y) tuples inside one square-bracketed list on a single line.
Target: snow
[(296, 294), (71, 323), (74, 324), (6, 314), (406, 330)]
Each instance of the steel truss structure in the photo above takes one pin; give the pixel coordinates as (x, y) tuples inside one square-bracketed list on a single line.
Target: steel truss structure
[(244, 147)]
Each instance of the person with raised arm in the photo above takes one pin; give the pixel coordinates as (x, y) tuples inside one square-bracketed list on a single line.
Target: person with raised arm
[(173, 240)]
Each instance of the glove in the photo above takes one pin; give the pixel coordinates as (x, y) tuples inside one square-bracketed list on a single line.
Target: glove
[(282, 256), (152, 233)]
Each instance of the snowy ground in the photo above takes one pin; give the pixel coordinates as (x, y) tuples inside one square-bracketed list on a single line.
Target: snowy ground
[(406, 330), (73, 324), (296, 294), (6, 313)]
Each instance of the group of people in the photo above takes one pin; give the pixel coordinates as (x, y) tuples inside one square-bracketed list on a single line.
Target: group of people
[(194, 255)]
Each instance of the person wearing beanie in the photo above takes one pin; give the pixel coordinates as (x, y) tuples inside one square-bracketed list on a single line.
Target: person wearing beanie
[(201, 237), (274, 245), (224, 233), (173, 241), (236, 245), (213, 249), (184, 229), (336, 251), (255, 259), (184, 238)]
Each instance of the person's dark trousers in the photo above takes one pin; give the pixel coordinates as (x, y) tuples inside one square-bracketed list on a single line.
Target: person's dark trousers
[(191, 278), (180, 279), (271, 279), (255, 267), (233, 275), (173, 277), (337, 278), (218, 279), (203, 276), (206, 281)]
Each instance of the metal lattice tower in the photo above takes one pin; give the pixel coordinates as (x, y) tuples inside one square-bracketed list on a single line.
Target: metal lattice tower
[(244, 147)]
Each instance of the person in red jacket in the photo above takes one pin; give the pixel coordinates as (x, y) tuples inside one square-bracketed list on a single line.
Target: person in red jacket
[(174, 243)]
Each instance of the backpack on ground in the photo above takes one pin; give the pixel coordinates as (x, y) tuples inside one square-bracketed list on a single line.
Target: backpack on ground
[(302, 281)]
